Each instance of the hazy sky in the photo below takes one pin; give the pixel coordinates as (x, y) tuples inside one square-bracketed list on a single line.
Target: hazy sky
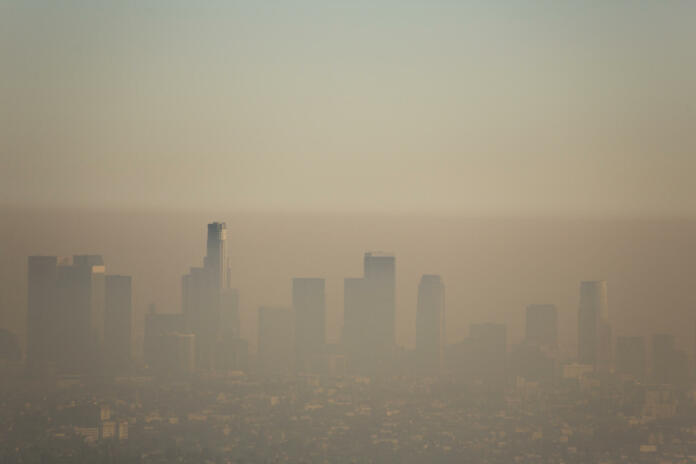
[(520, 106)]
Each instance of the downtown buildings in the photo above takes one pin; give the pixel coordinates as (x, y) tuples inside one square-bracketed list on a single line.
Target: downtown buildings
[(78, 319)]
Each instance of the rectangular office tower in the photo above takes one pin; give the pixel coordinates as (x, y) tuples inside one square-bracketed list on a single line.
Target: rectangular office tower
[(276, 341), (430, 323), (369, 310), (380, 273), (66, 300), (216, 254), (356, 323), (594, 331), (309, 305), (670, 365), (118, 322), (81, 300), (542, 325), (42, 316)]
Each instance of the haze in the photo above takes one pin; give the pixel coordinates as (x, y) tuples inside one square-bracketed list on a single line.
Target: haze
[(532, 107)]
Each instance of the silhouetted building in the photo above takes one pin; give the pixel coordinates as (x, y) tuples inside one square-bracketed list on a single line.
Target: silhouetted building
[(430, 323), (542, 325), (369, 315), (380, 272), (118, 321), (309, 306), (357, 317), (179, 353), (204, 297), (670, 365), (229, 314), (594, 331), (276, 351), (42, 310), (81, 303), (631, 357)]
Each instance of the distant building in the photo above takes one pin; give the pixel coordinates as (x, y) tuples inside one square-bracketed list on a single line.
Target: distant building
[(42, 311), (118, 321), (542, 325), (276, 351), (357, 317), (80, 303), (631, 357), (209, 305), (309, 306), (370, 315), (380, 272), (670, 365), (594, 331), (430, 323)]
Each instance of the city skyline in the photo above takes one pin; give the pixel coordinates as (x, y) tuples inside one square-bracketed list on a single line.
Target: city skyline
[(210, 313)]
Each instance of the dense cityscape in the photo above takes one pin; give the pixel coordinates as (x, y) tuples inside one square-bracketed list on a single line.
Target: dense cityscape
[(196, 393)]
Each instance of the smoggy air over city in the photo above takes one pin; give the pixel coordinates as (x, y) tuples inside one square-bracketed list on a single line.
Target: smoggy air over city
[(348, 232)]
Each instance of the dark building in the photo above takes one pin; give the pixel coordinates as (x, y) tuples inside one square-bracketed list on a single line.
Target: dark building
[(356, 321), (81, 300), (430, 323), (542, 325), (380, 272), (118, 321), (208, 304), (594, 331), (670, 365), (631, 357), (309, 306), (369, 315), (276, 350), (42, 316)]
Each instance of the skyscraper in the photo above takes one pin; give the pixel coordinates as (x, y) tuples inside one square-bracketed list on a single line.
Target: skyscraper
[(216, 254), (430, 323), (80, 301), (369, 314), (42, 336), (594, 331), (670, 365), (356, 322), (309, 305), (276, 340), (381, 275), (118, 321), (203, 295)]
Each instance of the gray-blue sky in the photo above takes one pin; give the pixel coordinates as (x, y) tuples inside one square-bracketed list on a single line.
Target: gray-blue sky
[(521, 106)]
